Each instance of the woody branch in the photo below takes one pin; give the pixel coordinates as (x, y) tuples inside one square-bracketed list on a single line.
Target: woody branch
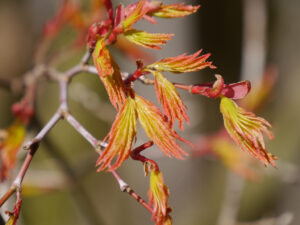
[(62, 113)]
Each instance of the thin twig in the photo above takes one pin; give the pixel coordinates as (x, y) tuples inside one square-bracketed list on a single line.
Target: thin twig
[(32, 146)]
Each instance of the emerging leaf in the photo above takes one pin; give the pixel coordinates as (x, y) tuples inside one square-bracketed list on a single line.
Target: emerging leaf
[(170, 100), (102, 59), (147, 40), (175, 10), (215, 89), (247, 130), (182, 63), (158, 197), (109, 74), (121, 136), (158, 129), (10, 144), (134, 15)]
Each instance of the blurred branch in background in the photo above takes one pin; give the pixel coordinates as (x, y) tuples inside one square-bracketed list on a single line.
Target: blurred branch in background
[(255, 15), (283, 219)]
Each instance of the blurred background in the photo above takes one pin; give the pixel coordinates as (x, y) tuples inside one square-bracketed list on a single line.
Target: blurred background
[(248, 39)]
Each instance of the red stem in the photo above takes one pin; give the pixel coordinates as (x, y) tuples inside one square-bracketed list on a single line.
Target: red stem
[(135, 154), (17, 183)]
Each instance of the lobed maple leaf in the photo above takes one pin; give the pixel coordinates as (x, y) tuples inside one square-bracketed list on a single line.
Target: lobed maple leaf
[(109, 74), (158, 129), (121, 136), (182, 63), (172, 105), (174, 10), (146, 39), (10, 143), (247, 130), (158, 198)]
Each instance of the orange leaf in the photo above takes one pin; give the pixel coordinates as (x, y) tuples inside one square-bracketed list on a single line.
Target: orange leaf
[(158, 129), (121, 136), (170, 100), (135, 15), (182, 63), (109, 73)]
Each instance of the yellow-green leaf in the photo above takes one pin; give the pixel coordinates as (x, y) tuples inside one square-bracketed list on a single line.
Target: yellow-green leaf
[(182, 63), (158, 129), (121, 136), (146, 39), (175, 10)]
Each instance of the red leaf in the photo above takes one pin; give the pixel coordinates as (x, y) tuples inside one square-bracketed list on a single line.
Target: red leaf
[(172, 105), (237, 90), (109, 74), (182, 63), (217, 88)]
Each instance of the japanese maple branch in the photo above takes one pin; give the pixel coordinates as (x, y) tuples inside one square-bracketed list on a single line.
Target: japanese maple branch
[(63, 112)]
